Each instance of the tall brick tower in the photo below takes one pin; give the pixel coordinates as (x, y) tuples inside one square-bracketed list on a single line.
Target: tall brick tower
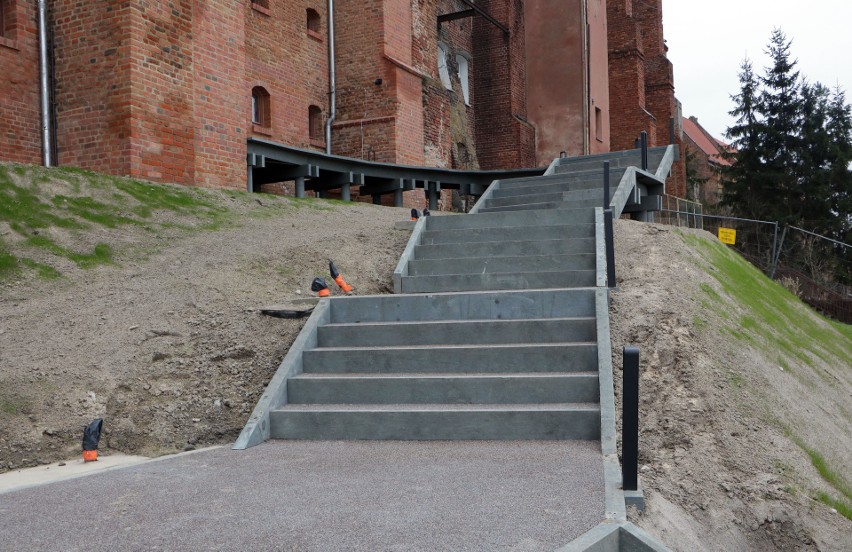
[(641, 81)]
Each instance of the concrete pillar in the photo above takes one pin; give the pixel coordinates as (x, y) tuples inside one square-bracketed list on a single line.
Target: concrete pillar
[(300, 186), (397, 198), (433, 195), (345, 193), (250, 179)]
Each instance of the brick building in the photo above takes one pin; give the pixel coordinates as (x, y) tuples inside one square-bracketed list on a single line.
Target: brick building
[(171, 91), (704, 157)]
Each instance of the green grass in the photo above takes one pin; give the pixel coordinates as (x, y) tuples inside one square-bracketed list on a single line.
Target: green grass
[(837, 482), (773, 314), (85, 202)]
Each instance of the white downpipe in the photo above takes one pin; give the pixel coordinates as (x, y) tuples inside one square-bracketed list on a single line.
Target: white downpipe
[(46, 125), (332, 83)]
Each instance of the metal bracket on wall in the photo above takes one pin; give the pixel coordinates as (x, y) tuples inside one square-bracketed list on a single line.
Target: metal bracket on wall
[(469, 13)]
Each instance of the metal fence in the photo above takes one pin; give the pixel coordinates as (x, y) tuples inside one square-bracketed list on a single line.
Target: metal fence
[(816, 268)]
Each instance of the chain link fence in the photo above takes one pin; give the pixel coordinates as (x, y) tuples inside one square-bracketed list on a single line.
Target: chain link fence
[(816, 268)]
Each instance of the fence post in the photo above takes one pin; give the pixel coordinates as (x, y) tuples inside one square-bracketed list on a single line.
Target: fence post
[(774, 245), (630, 420), (778, 253)]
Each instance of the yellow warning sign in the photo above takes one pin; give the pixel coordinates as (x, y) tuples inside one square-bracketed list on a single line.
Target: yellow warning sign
[(728, 235)]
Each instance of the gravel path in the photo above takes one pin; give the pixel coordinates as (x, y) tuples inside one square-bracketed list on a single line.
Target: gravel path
[(326, 495)]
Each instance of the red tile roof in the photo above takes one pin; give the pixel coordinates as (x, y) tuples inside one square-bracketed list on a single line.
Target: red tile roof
[(708, 144)]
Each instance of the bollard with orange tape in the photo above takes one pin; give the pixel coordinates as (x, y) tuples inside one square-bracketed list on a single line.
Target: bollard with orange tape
[(91, 437), (415, 214), (319, 287), (338, 278)]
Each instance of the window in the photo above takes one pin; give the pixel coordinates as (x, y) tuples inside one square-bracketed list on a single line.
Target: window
[(314, 21), (7, 19), (260, 110), (315, 131), (598, 124), (262, 6), (443, 69), (464, 78)]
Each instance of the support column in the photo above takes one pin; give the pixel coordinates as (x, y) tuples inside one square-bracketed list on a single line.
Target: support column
[(345, 193), (300, 187), (249, 179), (397, 198)]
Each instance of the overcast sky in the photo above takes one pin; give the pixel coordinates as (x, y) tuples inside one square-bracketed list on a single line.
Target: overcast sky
[(708, 41)]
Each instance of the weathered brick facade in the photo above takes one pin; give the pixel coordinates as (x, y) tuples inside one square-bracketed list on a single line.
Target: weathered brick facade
[(163, 91), (641, 81), (20, 126)]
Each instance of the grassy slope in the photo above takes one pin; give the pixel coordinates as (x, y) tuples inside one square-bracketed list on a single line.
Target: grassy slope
[(51, 216), (763, 314)]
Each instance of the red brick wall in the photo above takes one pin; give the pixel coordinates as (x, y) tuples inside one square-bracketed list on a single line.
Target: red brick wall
[(20, 134), (291, 63), (504, 138), (93, 84), (162, 96), (223, 98)]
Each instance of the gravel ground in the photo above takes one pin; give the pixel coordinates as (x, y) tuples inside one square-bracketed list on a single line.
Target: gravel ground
[(323, 495)]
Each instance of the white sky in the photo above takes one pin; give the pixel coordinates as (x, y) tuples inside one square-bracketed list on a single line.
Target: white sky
[(708, 41)]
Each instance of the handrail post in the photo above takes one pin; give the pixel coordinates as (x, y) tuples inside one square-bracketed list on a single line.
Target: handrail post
[(630, 420), (643, 140), (609, 238), (606, 185)]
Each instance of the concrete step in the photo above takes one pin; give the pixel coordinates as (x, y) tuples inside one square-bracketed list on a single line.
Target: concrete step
[(453, 359), (512, 218), (565, 186), (507, 233), (492, 265), (372, 334), (514, 388), (518, 199), (437, 422), (618, 160), (504, 280), (486, 305), (526, 207), (544, 246)]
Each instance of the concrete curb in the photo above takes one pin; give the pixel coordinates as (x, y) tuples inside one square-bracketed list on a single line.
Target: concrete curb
[(256, 430), (483, 199), (615, 537), (408, 254)]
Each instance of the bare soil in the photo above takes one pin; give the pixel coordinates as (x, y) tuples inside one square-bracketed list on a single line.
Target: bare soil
[(170, 349), (718, 468)]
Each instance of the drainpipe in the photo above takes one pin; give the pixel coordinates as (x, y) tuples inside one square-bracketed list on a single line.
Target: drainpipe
[(587, 86), (332, 85), (46, 125)]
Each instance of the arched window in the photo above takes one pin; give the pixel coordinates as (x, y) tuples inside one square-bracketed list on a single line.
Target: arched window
[(443, 67), (464, 76), (315, 131), (261, 113), (314, 22)]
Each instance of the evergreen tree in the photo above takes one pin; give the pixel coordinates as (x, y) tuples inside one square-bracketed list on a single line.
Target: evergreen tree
[(840, 180), (744, 184), (780, 105)]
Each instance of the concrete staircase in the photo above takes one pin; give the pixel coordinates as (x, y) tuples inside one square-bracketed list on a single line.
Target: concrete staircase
[(493, 333), (513, 365)]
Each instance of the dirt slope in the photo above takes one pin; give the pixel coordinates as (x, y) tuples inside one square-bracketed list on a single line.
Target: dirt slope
[(723, 404), (166, 344)]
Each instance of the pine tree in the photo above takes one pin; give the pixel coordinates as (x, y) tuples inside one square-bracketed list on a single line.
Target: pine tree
[(780, 105), (840, 181), (744, 183)]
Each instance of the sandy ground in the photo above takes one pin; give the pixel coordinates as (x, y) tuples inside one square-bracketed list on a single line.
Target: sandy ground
[(718, 470), (170, 350)]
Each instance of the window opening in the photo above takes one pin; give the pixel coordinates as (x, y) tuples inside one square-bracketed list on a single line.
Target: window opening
[(463, 63), (260, 108), (598, 124), (314, 21), (315, 132), (443, 69)]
